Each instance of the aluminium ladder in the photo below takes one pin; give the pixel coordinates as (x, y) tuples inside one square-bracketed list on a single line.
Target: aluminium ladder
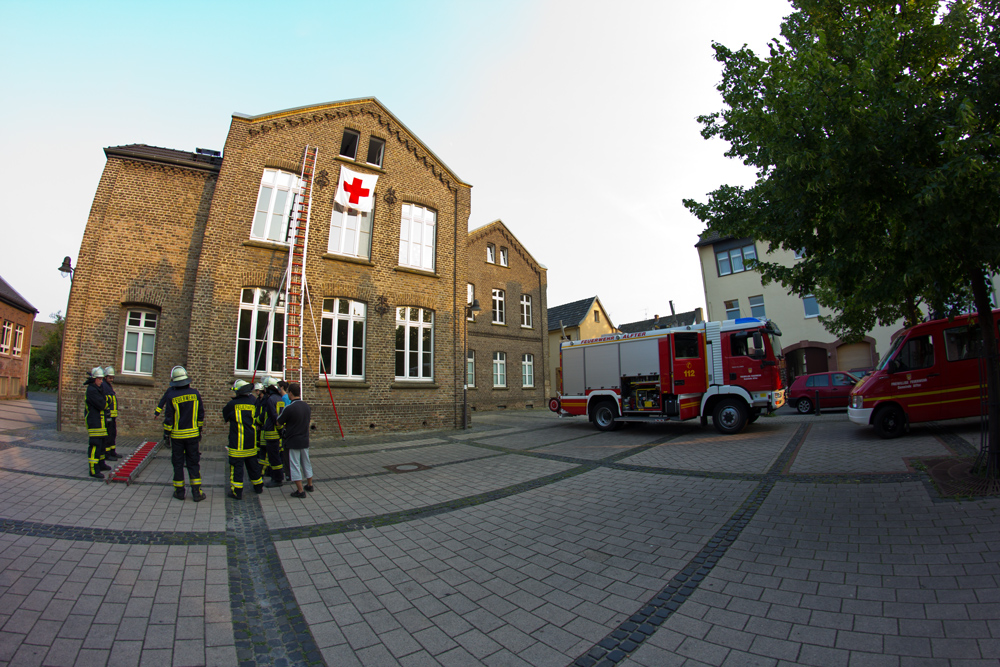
[(296, 273)]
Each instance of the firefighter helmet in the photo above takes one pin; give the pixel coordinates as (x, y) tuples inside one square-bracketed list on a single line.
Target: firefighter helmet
[(109, 371), (179, 377), (97, 372), (269, 382), (258, 387), (242, 387)]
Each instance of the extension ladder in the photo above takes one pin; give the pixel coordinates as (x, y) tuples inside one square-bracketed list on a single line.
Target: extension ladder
[(296, 273)]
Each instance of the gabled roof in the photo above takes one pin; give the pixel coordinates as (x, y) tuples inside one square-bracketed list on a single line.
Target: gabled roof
[(499, 226), (40, 333), (317, 108), (144, 153), (10, 296), (665, 322), (573, 314)]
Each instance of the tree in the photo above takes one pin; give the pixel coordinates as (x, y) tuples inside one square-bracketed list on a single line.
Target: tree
[(873, 130), (44, 371)]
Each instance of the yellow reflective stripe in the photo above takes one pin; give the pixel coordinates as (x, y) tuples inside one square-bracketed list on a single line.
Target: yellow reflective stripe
[(180, 434), (896, 397)]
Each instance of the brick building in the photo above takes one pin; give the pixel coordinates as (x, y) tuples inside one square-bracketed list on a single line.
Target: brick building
[(183, 262), (17, 318), (507, 354)]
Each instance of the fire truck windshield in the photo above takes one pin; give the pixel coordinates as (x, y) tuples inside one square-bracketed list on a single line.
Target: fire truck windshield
[(774, 333)]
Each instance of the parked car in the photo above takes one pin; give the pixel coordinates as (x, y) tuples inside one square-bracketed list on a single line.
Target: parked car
[(833, 390)]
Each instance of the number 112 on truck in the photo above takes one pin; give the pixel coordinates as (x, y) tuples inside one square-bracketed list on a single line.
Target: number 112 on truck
[(729, 371)]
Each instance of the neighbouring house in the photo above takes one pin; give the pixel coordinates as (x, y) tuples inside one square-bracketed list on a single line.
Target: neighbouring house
[(41, 332), (17, 319), (664, 322), (732, 290), (507, 352), (184, 259), (577, 320)]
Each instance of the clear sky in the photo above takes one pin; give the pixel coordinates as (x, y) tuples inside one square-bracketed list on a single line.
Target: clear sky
[(573, 120)]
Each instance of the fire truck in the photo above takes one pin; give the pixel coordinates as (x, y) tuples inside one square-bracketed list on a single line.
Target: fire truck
[(727, 370)]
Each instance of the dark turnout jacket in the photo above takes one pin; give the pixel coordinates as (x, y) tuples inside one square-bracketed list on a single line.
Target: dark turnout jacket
[(295, 419)]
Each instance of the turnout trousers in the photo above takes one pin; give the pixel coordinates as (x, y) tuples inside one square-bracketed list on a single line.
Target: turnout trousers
[(111, 443), (184, 453), (95, 453), (236, 465), (275, 459)]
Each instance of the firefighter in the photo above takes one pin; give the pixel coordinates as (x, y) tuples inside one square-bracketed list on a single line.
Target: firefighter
[(183, 419), (272, 439), (260, 398), (95, 415), (241, 413), (110, 445)]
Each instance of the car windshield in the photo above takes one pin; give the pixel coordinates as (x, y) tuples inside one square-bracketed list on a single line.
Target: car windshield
[(890, 353)]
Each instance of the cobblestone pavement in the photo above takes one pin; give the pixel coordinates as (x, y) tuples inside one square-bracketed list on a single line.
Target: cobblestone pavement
[(526, 540)]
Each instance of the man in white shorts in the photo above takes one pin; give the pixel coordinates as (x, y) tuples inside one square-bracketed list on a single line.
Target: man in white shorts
[(294, 423)]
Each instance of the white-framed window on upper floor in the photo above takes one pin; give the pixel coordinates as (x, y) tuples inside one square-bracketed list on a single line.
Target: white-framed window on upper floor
[(350, 232), (499, 311), (491, 253), (470, 368), (499, 369), (275, 200), (6, 333), (417, 237), (140, 341), (376, 151), (260, 331), (526, 311), (732, 309), (470, 298), (18, 340), (342, 339), (734, 260), (527, 370), (757, 306), (503, 257), (810, 306), (414, 343), (349, 144)]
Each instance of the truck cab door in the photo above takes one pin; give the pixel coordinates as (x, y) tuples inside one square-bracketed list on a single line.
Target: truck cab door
[(690, 368)]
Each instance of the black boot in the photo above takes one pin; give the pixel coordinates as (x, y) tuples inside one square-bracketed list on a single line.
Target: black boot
[(196, 494), (97, 475), (179, 493), (235, 495), (103, 466)]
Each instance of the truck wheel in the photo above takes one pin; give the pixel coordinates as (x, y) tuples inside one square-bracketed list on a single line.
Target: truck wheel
[(730, 416), (804, 406), (604, 416), (889, 421)]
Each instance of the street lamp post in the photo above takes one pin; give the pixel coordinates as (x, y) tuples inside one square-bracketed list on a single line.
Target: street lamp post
[(470, 311), (66, 270)]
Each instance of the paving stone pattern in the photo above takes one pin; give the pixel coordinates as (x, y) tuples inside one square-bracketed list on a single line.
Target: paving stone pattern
[(527, 540)]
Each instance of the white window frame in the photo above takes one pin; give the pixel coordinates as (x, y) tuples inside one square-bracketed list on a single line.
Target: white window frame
[(347, 360), (381, 152), (806, 300), (414, 336), (417, 237), (275, 200), (499, 370), (732, 257), (5, 334), (503, 257), (357, 143), (757, 309), (350, 232), (733, 310), (491, 253), (526, 311), (528, 370), (499, 311), (251, 312), (470, 368), (140, 326), (470, 299), (18, 340)]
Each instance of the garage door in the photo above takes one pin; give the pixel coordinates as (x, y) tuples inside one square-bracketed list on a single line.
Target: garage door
[(854, 357)]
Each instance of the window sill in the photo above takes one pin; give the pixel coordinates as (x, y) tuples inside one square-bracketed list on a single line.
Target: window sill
[(343, 384), (137, 380), (365, 165), (811, 317), (414, 384), (418, 272), (347, 258), (499, 324), (500, 388), (266, 245), (528, 328)]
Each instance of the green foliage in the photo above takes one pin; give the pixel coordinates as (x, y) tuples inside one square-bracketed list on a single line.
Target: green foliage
[(872, 127), (44, 371)]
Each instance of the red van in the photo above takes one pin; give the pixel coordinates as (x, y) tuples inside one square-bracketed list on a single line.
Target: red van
[(931, 372)]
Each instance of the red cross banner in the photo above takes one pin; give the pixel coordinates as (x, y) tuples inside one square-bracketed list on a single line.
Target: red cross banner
[(356, 190)]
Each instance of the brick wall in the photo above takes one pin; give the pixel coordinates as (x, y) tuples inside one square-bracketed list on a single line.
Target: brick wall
[(14, 368), (522, 276)]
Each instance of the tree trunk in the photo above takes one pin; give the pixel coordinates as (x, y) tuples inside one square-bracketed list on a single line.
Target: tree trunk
[(992, 359)]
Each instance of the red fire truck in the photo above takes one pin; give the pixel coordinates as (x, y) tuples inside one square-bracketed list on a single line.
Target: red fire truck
[(932, 371), (728, 370)]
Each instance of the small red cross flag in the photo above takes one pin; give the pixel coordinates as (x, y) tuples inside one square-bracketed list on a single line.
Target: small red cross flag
[(356, 190)]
